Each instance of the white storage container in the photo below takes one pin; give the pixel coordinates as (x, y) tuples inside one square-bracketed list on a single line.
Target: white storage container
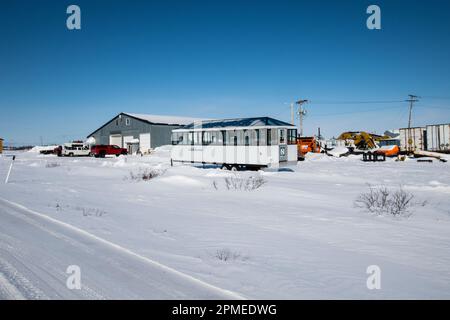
[(412, 139), (438, 137)]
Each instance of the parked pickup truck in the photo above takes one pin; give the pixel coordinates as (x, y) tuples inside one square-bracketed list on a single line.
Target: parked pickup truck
[(100, 151)]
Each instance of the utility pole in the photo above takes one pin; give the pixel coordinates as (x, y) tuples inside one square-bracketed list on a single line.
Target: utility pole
[(292, 113), (301, 114), (411, 100)]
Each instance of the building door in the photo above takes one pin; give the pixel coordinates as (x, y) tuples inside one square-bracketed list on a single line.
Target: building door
[(115, 140), (282, 141), (144, 143), (126, 144)]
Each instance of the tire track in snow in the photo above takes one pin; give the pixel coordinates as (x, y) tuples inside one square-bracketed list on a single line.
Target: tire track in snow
[(173, 274)]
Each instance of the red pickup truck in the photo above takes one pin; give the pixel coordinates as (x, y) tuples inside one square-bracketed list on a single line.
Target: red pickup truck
[(103, 150)]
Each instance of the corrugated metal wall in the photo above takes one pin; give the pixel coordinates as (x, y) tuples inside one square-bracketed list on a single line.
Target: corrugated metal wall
[(412, 139), (160, 134), (438, 137)]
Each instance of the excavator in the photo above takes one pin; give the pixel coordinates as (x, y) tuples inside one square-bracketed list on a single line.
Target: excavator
[(362, 140)]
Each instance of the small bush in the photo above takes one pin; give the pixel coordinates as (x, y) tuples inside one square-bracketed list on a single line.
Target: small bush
[(381, 200), (145, 174), (237, 182), (52, 164), (88, 212), (226, 254)]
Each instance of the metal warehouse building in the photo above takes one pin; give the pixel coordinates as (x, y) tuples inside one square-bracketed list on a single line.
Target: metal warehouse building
[(138, 132)]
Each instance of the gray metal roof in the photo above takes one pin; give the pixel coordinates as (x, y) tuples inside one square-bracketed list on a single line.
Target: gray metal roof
[(158, 119), (238, 122)]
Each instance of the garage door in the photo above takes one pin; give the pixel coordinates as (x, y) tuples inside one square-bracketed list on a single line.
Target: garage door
[(115, 139), (144, 142)]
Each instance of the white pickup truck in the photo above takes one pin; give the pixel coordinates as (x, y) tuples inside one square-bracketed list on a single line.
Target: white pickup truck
[(75, 149)]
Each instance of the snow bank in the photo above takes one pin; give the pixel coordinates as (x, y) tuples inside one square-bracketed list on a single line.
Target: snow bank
[(38, 149), (317, 157), (387, 148), (338, 151)]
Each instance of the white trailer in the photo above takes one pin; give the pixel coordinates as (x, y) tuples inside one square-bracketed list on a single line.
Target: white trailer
[(438, 138), (412, 139), (236, 143)]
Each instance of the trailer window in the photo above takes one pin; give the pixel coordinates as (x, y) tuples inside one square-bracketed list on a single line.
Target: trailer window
[(197, 138), (217, 138), (174, 138), (257, 137), (281, 133), (191, 138), (224, 137), (247, 137), (292, 136), (272, 137), (185, 138), (207, 138)]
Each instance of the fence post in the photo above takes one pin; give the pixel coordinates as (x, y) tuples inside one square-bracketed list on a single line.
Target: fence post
[(10, 168)]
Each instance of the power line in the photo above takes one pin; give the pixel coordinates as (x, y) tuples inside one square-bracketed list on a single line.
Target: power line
[(355, 102), (435, 98), (353, 112), (434, 107)]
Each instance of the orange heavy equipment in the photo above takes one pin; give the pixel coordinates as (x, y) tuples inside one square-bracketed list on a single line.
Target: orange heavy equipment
[(307, 144), (389, 151)]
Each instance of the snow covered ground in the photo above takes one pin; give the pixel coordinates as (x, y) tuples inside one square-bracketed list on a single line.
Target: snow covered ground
[(297, 236)]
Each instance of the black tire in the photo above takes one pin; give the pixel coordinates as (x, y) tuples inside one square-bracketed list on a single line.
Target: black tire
[(225, 167), (71, 154)]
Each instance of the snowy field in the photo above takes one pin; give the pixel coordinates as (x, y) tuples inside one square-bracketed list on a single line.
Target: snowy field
[(297, 236)]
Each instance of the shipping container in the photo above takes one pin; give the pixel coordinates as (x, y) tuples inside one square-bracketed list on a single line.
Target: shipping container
[(412, 139), (438, 137), (1, 145)]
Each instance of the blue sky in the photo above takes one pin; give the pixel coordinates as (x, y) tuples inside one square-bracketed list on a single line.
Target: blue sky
[(214, 59)]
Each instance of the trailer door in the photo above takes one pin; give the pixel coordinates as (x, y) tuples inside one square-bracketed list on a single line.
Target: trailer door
[(282, 136)]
